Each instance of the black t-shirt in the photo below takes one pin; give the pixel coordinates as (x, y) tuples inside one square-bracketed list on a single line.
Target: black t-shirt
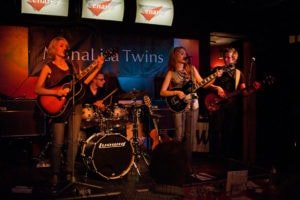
[(90, 98)]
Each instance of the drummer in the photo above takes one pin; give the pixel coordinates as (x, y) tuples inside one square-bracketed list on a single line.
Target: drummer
[(95, 91), (93, 104)]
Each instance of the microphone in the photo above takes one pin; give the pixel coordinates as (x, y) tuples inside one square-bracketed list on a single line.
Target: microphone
[(253, 59), (68, 52), (187, 57)]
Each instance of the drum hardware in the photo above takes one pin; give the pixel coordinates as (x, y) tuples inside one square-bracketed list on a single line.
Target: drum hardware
[(100, 152), (42, 161), (133, 95), (138, 152)]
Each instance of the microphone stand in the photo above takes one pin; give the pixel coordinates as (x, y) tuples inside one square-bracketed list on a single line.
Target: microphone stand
[(138, 151), (250, 72), (189, 140), (84, 191)]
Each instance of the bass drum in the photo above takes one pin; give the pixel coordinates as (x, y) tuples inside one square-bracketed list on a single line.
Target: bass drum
[(108, 155)]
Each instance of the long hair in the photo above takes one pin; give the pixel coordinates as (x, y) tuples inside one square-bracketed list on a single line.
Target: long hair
[(172, 59), (52, 46)]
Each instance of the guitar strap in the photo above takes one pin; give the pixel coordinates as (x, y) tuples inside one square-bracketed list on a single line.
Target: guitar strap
[(237, 77)]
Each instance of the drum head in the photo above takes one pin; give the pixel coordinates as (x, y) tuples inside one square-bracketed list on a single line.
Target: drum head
[(112, 156)]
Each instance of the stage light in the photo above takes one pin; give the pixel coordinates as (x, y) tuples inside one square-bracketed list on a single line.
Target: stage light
[(157, 12), (45, 7), (103, 9)]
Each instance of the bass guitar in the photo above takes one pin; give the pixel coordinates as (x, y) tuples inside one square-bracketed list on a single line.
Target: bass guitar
[(178, 105), (154, 133), (213, 102), (54, 106)]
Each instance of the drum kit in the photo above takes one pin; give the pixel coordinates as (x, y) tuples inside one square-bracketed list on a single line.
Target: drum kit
[(112, 143)]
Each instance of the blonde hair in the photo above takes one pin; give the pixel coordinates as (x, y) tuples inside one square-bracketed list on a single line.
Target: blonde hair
[(52, 46), (232, 50)]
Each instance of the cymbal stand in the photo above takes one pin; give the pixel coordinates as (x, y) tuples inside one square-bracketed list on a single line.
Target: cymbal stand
[(138, 152)]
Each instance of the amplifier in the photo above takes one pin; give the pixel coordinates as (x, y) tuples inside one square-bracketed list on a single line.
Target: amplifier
[(19, 118), (166, 120)]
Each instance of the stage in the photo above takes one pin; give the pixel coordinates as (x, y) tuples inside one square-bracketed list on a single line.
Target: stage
[(25, 174)]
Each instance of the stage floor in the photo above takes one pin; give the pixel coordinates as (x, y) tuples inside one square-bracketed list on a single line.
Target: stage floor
[(23, 176)]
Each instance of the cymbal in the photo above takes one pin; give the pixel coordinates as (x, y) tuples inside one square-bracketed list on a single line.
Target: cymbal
[(132, 94)]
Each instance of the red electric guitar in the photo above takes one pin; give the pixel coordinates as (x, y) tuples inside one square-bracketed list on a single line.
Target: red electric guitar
[(213, 102)]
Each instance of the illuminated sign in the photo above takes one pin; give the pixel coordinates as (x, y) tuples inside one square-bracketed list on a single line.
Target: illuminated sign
[(103, 9), (158, 12), (45, 7)]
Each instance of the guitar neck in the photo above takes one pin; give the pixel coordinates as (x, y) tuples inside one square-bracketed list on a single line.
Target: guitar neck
[(149, 105), (87, 70), (211, 77), (205, 81), (93, 65)]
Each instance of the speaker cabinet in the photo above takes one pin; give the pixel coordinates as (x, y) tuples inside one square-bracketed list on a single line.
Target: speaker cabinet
[(20, 118), (166, 121)]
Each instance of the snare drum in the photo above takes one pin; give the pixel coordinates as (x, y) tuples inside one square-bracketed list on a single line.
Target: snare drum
[(108, 155)]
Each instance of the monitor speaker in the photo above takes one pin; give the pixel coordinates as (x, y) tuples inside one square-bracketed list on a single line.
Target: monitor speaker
[(166, 122)]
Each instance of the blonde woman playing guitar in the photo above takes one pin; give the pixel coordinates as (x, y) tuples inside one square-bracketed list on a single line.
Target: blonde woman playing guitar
[(51, 84)]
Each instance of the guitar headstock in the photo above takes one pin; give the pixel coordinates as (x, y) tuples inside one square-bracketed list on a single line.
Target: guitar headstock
[(267, 81), (147, 101)]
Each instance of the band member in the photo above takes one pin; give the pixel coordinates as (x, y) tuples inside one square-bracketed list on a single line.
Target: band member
[(179, 73), (52, 74), (225, 123), (93, 105)]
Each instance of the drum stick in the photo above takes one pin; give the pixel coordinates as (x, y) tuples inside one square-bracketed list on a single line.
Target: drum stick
[(110, 94)]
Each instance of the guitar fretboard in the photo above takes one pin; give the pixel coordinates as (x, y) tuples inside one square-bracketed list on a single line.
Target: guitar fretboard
[(211, 77)]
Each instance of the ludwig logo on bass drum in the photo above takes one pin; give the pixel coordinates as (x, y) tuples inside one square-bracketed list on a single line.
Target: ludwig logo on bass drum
[(111, 145)]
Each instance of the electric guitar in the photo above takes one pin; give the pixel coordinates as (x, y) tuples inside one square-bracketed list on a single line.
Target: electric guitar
[(154, 133), (178, 105), (54, 106), (213, 102)]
